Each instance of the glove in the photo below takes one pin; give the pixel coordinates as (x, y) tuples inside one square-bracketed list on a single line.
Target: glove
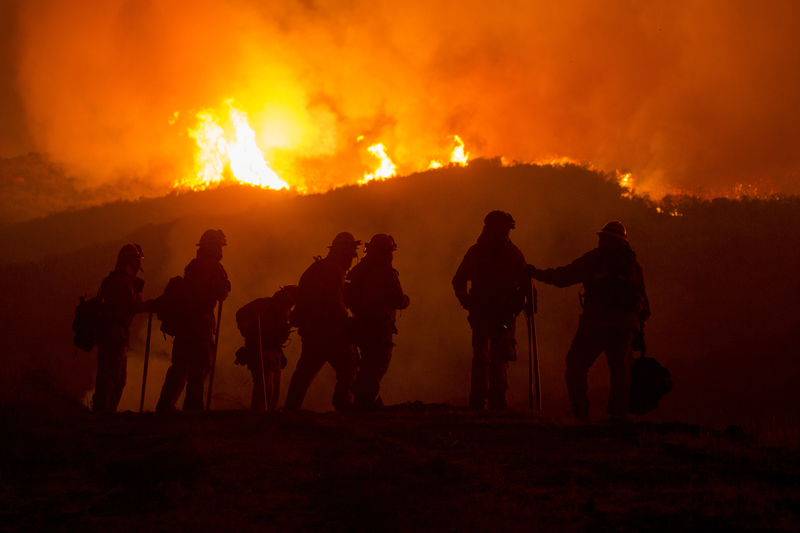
[(638, 345), (464, 300), (530, 270), (151, 306)]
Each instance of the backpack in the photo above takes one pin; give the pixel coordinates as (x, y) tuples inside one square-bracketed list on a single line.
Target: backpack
[(246, 316), (172, 306), (649, 383), (86, 324)]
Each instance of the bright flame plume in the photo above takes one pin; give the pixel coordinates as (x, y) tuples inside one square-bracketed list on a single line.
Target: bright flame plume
[(217, 154), (387, 168)]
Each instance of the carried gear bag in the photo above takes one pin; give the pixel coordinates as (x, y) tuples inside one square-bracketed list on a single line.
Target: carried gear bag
[(649, 383), (172, 306)]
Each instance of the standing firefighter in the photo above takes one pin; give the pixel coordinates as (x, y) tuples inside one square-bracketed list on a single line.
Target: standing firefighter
[(323, 322), (615, 307), (374, 295), (121, 300), (273, 316), (205, 283), (495, 268)]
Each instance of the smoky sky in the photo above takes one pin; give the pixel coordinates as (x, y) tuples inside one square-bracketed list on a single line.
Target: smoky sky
[(683, 94)]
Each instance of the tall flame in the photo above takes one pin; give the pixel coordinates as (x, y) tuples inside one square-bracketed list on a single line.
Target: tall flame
[(387, 168), (458, 157), (216, 154)]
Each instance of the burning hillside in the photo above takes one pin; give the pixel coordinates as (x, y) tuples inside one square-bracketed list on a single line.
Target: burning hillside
[(721, 280)]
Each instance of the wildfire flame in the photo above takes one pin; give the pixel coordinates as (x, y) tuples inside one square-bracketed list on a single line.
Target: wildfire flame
[(387, 168), (458, 157), (218, 155)]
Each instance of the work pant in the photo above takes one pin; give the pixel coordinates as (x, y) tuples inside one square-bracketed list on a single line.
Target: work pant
[(493, 346), (272, 379), (315, 353), (376, 353), (192, 352), (112, 364), (589, 342)]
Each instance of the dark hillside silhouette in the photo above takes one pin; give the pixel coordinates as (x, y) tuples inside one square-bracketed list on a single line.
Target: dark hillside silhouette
[(722, 280)]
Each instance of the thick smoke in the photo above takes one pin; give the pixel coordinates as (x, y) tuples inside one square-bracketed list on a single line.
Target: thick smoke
[(698, 95)]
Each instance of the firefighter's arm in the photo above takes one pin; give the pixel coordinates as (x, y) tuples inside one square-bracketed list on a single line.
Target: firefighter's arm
[(222, 285), (576, 272), (463, 275), (400, 300)]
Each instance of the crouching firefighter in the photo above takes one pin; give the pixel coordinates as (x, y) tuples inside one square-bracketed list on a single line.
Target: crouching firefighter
[(615, 307), (204, 283), (494, 269), (121, 300), (374, 295), (265, 365)]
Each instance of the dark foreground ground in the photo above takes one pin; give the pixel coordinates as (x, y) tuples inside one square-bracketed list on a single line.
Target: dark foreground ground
[(411, 468)]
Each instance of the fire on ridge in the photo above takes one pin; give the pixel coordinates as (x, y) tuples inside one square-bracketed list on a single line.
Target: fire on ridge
[(227, 150)]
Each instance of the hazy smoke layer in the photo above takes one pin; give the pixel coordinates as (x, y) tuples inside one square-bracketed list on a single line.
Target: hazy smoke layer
[(685, 93)]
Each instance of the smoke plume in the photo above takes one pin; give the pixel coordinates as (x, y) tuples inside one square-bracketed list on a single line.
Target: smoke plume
[(688, 95)]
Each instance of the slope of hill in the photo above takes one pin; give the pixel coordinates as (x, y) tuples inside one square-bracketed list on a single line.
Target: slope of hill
[(721, 279)]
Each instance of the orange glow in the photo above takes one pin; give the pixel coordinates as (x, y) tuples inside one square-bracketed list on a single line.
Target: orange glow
[(387, 169), (217, 154)]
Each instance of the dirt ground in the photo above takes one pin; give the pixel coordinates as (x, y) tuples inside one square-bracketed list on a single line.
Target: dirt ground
[(411, 467)]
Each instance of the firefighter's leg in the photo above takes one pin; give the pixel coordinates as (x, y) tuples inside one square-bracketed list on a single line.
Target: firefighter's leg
[(257, 403), (121, 374), (176, 374), (481, 360), (375, 358), (344, 361), (105, 380), (197, 372), (309, 364), (587, 345), (502, 349), (273, 395), (620, 360)]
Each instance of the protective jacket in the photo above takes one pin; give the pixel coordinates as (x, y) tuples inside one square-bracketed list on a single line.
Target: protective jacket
[(374, 293), (206, 284), (496, 269), (613, 282), (122, 299), (319, 309)]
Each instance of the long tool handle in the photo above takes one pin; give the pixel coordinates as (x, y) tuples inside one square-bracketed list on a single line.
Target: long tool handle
[(263, 366), (530, 362), (535, 343), (214, 358), (146, 359)]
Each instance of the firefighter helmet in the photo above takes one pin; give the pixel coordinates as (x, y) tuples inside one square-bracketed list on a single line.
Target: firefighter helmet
[(614, 229), (381, 241), (500, 220), (130, 251), (345, 240), (213, 236)]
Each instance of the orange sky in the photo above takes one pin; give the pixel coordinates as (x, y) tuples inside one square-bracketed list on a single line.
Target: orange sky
[(698, 93)]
